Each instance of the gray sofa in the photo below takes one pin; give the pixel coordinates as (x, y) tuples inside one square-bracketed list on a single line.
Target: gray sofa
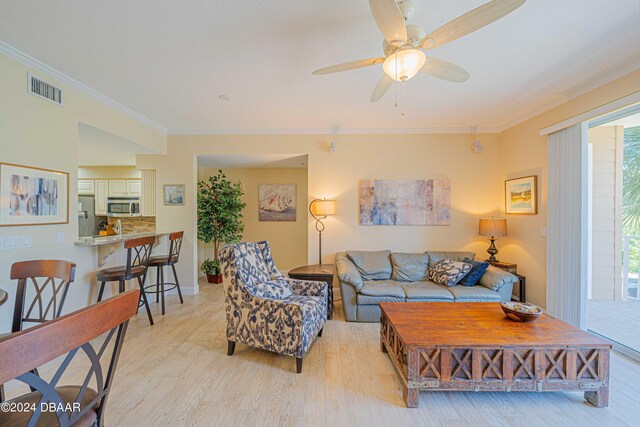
[(369, 278)]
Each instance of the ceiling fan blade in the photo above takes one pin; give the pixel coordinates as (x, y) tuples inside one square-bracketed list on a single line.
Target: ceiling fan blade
[(444, 70), (390, 21), (351, 65), (470, 22), (383, 86)]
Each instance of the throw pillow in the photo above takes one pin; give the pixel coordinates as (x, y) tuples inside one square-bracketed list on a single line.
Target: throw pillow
[(449, 272), (272, 289), (409, 267), (478, 269), (372, 265)]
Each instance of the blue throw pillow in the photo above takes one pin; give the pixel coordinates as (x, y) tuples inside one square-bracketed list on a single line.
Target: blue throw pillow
[(472, 279)]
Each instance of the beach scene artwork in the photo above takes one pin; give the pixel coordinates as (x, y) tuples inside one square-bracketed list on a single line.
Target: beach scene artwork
[(277, 202), (520, 196), (405, 202)]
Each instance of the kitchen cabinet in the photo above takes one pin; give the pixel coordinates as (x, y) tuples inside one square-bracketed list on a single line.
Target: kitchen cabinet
[(86, 187), (117, 187), (101, 191), (134, 187), (125, 187)]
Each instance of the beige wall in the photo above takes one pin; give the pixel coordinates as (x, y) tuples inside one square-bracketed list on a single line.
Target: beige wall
[(524, 152), (38, 133), (475, 184), (108, 172), (288, 239)]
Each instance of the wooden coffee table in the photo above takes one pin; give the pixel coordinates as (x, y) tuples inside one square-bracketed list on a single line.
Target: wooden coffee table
[(474, 347)]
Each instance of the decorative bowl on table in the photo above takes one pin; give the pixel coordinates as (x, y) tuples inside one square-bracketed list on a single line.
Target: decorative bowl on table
[(521, 312)]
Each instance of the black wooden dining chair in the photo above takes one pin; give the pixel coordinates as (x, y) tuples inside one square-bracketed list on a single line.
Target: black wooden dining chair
[(53, 403), (46, 282)]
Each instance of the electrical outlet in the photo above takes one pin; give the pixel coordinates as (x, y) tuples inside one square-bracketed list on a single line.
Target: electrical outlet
[(9, 243)]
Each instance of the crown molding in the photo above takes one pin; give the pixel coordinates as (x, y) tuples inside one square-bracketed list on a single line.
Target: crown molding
[(612, 73), (35, 64), (331, 131)]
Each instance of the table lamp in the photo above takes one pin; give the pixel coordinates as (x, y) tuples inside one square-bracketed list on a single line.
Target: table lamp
[(319, 210), (493, 227)]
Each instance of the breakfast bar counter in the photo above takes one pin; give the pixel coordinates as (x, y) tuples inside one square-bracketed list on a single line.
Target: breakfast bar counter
[(110, 249)]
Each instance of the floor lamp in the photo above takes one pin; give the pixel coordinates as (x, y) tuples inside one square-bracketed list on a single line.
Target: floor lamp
[(319, 210)]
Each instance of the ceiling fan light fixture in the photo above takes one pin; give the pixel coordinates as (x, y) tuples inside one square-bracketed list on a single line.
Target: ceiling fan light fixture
[(404, 64)]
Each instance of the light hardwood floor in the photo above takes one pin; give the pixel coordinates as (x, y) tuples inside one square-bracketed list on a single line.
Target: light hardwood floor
[(177, 373), (617, 320)]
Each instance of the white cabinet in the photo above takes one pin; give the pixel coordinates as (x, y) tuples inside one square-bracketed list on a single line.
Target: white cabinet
[(134, 187), (125, 187), (117, 187), (86, 187), (101, 191)]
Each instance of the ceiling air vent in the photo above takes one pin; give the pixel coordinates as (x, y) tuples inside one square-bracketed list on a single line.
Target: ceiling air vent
[(37, 87)]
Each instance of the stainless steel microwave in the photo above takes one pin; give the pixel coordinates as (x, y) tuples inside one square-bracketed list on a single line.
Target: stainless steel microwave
[(123, 206)]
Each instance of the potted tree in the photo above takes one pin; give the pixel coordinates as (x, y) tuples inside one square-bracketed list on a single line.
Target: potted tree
[(219, 218)]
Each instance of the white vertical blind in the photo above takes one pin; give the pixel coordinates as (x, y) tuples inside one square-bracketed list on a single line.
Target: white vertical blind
[(567, 223)]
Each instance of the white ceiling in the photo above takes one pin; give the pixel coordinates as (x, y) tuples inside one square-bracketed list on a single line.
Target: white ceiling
[(170, 60), (99, 148), (227, 161)]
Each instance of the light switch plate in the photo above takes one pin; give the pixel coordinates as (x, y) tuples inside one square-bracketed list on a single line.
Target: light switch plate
[(60, 237), (543, 231)]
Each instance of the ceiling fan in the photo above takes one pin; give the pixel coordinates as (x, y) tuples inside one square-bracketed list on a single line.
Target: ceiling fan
[(403, 44)]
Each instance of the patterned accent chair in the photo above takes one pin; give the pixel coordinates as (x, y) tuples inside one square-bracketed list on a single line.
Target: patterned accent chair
[(267, 310)]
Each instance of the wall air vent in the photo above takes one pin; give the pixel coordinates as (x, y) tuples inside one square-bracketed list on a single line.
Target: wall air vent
[(37, 87)]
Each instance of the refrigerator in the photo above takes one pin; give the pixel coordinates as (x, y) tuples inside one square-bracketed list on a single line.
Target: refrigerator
[(87, 219)]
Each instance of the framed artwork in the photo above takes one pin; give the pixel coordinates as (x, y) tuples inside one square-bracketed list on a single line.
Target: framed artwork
[(173, 194), (521, 195), (277, 202), (33, 196), (405, 202)]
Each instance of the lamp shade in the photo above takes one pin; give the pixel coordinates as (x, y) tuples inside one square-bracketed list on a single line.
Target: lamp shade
[(493, 227), (404, 64), (324, 207)]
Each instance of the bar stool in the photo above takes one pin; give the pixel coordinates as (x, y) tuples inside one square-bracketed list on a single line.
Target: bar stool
[(160, 262), (136, 268), (49, 294)]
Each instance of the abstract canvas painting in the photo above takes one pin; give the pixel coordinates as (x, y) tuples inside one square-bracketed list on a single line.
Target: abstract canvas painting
[(31, 196), (405, 202), (521, 195), (173, 194), (277, 202)]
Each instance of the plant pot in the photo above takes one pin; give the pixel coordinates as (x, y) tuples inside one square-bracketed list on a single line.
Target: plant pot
[(214, 278)]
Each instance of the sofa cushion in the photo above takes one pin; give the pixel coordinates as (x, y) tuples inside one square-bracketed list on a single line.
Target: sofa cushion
[(474, 294), (449, 272), (478, 269), (386, 288), (409, 267), (363, 299), (435, 256), (372, 265), (495, 278), (271, 289), (426, 291)]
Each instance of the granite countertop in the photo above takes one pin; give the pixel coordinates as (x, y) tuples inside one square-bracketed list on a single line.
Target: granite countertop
[(114, 239)]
